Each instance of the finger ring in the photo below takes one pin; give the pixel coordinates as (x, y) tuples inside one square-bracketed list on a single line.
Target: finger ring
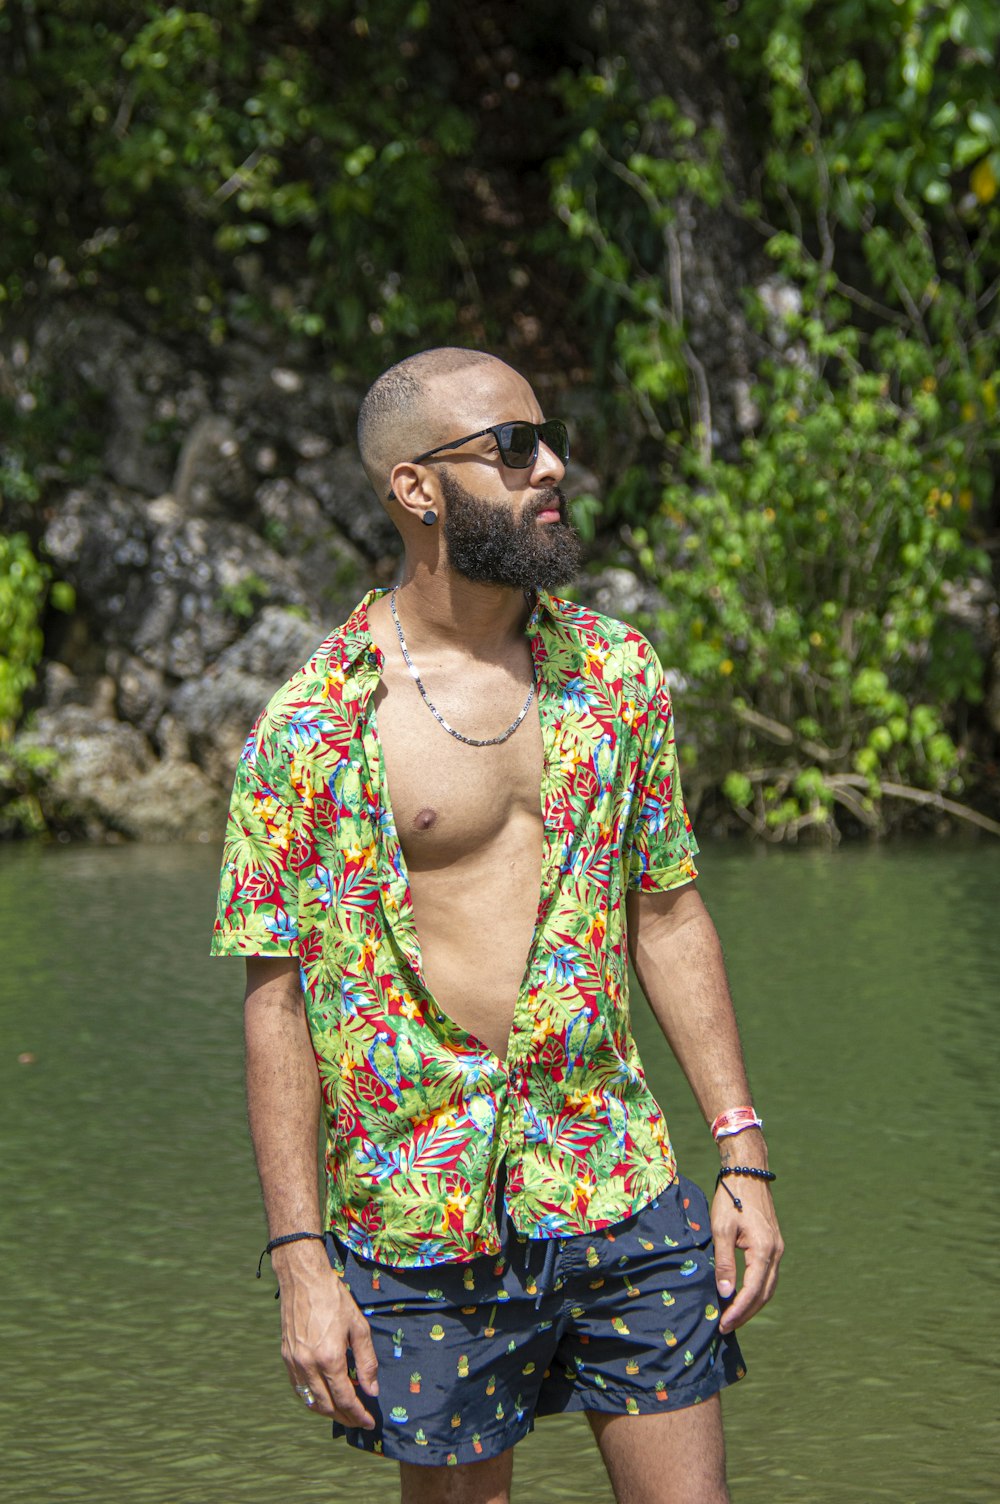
[(306, 1394)]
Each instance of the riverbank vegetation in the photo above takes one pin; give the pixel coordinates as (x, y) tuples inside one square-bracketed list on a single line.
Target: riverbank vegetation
[(750, 249)]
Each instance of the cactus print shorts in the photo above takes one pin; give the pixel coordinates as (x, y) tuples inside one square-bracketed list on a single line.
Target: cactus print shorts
[(622, 1321)]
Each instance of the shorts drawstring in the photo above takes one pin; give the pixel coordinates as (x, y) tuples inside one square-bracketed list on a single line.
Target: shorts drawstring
[(547, 1275)]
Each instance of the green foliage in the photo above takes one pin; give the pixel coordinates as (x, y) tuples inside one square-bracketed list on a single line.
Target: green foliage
[(331, 168), (24, 772), (808, 599), (585, 512), (867, 101), (23, 583), (243, 598), (177, 143), (615, 189), (884, 138), (808, 584), (30, 436)]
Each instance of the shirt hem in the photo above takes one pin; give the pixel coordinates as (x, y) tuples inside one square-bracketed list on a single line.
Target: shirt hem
[(663, 879), (490, 1250), (243, 943)]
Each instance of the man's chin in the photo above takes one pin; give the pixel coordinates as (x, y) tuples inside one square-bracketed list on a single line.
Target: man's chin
[(538, 579), (546, 575), (487, 548)]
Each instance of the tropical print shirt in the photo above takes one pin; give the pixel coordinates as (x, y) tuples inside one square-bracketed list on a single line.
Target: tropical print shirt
[(421, 1116)]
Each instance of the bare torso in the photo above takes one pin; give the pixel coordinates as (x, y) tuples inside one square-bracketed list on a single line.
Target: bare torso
[(469, 821)]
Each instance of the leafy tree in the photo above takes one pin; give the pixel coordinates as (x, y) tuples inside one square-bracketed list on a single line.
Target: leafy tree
[(176, 141), (767, 228), (809, 580)]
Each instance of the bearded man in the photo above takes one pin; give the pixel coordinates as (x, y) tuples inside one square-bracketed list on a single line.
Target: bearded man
[(450, 830)]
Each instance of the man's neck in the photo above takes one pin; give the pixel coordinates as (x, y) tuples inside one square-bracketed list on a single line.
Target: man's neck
[(445, 607)]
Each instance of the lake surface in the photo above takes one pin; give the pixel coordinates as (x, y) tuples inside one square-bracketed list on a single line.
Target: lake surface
[(139, 1357)]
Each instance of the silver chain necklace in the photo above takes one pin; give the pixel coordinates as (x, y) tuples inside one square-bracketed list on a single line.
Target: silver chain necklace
[(470, 741)]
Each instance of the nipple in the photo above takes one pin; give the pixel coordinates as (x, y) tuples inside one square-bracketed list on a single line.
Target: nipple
[(424, 819)]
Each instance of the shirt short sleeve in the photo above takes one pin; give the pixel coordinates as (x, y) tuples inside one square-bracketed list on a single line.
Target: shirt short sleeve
[(660, 845), (258, 907)]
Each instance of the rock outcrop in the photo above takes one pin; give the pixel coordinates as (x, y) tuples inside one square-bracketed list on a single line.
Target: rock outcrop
[(229, 525)]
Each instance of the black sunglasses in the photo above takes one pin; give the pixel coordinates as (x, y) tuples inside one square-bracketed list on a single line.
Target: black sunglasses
[(517, 442)]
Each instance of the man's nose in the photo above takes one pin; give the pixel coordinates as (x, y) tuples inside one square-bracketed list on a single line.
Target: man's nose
[(548, 468)]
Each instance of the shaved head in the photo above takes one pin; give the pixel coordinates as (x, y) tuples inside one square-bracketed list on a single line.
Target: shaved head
[(403, 413)]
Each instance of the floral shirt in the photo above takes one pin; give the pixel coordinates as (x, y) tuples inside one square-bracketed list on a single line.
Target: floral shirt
[(420, 1115)]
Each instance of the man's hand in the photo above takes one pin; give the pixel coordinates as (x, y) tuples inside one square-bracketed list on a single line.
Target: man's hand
[(755, 1231), (319, 1322)]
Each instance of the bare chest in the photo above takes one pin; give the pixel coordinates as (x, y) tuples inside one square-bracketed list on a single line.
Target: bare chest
[(450, 800)]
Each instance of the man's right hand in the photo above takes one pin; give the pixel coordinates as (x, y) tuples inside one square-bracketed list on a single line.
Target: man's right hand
[(319, 1322)]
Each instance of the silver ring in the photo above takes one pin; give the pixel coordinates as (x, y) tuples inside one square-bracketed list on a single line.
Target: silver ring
[(305, 1394)]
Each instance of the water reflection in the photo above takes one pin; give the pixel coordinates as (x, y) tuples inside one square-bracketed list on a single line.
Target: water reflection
[(140, 1356)]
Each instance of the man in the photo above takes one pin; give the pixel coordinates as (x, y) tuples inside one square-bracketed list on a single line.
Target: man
[(448, 831)]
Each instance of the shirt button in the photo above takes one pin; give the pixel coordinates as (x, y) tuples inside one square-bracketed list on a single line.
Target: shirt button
[(516, 1078), (371, 659)]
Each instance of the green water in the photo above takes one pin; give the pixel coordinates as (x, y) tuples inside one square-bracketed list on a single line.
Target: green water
[(139, 1358)]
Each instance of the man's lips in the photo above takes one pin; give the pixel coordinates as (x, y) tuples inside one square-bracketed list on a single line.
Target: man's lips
[(551, 508)]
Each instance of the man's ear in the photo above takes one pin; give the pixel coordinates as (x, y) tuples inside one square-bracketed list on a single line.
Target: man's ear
[(414, 488)]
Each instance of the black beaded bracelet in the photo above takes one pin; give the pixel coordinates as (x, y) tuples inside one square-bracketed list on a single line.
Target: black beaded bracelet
[(290, 1237), (750, 1170)]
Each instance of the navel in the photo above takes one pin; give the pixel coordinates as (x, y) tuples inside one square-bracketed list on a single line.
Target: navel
[(424, 819)]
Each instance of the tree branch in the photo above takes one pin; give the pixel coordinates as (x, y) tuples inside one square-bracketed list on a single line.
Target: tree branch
[(839, 781)]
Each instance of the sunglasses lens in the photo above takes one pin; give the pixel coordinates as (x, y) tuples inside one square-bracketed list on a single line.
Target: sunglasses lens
[(554, 435), (517, 444)]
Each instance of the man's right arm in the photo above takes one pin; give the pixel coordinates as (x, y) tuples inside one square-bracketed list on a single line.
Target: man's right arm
[(319, 1319)]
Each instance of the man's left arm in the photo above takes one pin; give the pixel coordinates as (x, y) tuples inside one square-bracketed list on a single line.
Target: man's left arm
[(678, 959)]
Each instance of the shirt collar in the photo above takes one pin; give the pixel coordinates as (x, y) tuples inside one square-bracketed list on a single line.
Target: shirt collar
[(354, 638), (546, 612)]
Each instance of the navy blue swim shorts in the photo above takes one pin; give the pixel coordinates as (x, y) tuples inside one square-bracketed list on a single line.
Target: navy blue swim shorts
[(623, 1321)]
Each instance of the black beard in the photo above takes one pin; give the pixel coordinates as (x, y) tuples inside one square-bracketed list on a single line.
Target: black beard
[(487, 543)]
